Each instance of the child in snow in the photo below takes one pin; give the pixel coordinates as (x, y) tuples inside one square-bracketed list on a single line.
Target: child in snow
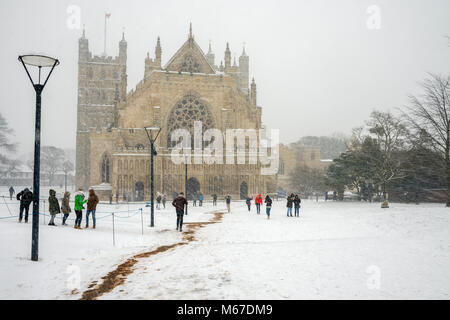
[(78, 207), (53, 207), (65, 207)]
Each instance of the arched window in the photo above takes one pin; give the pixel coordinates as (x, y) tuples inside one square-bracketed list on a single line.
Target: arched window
[(105, 169), (183, 115)]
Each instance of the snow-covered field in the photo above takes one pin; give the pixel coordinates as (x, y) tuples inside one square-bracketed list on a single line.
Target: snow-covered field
[(333, 251)]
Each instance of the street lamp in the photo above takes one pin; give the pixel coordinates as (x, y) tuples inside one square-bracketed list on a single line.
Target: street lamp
[(185, 181), (40, 62), (149, 131)]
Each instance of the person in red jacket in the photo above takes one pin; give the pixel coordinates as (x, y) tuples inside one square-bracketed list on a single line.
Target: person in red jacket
[(258, 203), (179, 203)]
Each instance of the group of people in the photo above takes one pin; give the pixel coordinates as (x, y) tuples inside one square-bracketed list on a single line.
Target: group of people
[(160, 198), (91, 204), (26, 197), (258, 204), (293, 201), (197, 196)]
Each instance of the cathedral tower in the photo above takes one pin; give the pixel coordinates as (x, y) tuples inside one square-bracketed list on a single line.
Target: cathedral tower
[(102, 83)]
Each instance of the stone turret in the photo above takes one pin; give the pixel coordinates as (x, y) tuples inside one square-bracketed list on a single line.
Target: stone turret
[(210, 56), (158, 53), (253, 92), (227, 58), (153, 64), (244, 71), (83, 47)]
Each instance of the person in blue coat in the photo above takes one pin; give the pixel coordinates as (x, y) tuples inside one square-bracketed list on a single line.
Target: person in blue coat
[(200, 199)]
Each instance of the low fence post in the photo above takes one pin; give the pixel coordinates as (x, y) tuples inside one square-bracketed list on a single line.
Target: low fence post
[(7, 206), (142, 221), (114, 236)]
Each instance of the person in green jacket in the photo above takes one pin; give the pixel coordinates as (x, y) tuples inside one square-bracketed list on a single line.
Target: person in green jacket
[(78, 207), (53, 206)]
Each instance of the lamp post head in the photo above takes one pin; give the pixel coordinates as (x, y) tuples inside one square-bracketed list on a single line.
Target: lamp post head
[(150, 130), (39, 61)]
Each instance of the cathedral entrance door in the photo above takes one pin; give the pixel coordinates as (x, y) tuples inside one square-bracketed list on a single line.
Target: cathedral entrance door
[(193, 188), (244, 190), (139, 191)]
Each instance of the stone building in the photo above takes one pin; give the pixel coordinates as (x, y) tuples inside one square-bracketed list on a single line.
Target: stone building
[(290, 158), (112, 145)]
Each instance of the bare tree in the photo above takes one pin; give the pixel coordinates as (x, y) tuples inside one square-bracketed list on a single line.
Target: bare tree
[(51, 160), (67, 167), (429, 116), (307, 180), (390, 134), (6, 146)]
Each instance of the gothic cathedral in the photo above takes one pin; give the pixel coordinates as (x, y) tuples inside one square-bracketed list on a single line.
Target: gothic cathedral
[(112, 147)]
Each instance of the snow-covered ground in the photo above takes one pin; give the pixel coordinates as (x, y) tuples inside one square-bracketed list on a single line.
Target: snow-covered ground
[(333, 251)]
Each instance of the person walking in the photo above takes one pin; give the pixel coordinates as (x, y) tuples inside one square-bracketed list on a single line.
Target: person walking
[(25, 197), (297, 202), (158, 201), (228, 202), (53, 207), (110, 198), (248, 201), (290, 200), (194, 197), (117, 196), (78, 207), (164, 199), (200, 199), (179, 203), (214, 199), (11, 192), (268, 203), (92, 202), (65, 207), (258, 202)]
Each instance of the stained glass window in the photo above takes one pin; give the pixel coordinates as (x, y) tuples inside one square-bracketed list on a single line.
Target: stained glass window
[(187, 110)]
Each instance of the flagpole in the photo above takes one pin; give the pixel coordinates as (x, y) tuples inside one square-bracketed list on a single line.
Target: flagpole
[(104, 46)]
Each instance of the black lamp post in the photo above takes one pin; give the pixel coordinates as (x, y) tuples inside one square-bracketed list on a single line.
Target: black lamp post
[(40, 62), (185, 182), (149, 131)]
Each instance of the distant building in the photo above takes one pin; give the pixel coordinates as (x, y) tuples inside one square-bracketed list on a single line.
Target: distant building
[(291, 158)]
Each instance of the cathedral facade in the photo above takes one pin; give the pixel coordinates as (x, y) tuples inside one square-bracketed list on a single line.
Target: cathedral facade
[(113, 150)]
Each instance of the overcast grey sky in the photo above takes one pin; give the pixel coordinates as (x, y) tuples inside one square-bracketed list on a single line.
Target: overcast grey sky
[(319, 69)]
